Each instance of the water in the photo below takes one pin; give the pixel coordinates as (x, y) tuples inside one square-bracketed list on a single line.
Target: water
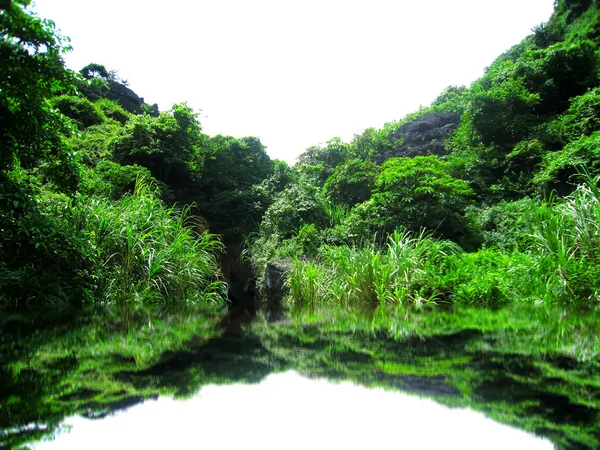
[(289, 411), (470, 378)]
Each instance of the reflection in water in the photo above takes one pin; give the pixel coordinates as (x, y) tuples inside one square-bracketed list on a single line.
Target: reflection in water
[(287, 410)]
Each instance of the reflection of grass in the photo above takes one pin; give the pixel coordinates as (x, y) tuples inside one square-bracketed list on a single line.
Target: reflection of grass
[(546, 330), (423, 366), (55, 373), (528, 367)]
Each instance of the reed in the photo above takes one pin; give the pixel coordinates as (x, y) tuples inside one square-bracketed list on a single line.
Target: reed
[(371, 274)]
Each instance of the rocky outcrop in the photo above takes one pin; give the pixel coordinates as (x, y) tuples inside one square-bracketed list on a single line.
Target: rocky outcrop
[(128, 99), (274, 287), (121, 94), (422, 136)]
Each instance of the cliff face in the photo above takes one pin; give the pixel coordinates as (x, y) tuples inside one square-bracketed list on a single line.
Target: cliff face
[(121, 94), (422, 136)]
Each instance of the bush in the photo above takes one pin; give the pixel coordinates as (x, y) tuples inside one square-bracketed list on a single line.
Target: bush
[(566, 238), (80, 110), (490, 277), (351, 183), (559, 169), (505, 226), (94, 144), (133, 253), (112, 180), (400, 272), (40, 258), (112, 110), (299, 204), (420, 193)]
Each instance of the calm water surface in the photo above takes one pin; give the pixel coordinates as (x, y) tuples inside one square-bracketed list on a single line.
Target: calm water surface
[(288, 411), (462, 379)]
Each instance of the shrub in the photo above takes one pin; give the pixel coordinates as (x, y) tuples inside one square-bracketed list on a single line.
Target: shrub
[(112, 180), (420, 193), (80, 110), (351, 183), (299, 204), (504, 226), (112, 110)]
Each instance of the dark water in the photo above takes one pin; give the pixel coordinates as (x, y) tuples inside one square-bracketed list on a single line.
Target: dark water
[(497, 380)]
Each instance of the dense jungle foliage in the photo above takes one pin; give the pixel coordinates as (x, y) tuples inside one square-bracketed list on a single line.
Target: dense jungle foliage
[(462, 201), (115, 216), (489, 195)]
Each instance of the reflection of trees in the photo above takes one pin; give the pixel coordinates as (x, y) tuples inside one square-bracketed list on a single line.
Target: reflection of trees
[(462, 369)]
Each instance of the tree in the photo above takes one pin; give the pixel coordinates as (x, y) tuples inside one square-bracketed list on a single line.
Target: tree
[(318, 162), (420, 193), (351, 182), (299, 204), (226, 189), (168, 145), (31, 72), (94, 70)]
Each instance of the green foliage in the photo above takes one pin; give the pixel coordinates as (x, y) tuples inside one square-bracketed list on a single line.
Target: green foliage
[(232, 163), (420, 193), (144, 253), (504, 226), (559, 168), (549, 33), (39, 258), (502, 109), (79, 109), (572, 9), (491, 277), (351, 182), (365, 146), (168, 145), (567, 238), (581, 119), (452, 98), (112, 110), (360, 224), (94, 70), (135, 251), (95, 144), (299, 204), (238, 182), (111, 180), (323, 159), (559, 72), (369, 275), (31, 72)]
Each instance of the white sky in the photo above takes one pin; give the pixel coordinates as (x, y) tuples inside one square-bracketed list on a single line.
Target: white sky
[(293, 72)]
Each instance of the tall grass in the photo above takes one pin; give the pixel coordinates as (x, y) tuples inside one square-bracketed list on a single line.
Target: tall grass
[(566, 237), (137, 254), (559, 260), (148, 253), (345, 275)]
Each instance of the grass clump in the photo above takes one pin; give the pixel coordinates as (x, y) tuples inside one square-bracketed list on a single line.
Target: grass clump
[(134, 253), (150, 254), (369, 274), (567, 241)]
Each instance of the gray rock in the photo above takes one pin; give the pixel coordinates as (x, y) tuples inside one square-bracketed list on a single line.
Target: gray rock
[(125, 97), (274, 287), (117, 92), (422, 136)]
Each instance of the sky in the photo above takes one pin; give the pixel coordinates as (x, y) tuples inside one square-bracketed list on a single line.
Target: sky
[(294, 73)]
